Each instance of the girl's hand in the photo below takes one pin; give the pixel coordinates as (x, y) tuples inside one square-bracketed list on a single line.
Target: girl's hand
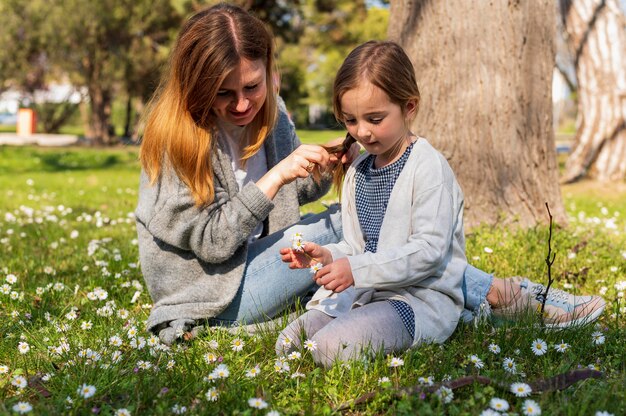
[(336, 276), (312, 253)]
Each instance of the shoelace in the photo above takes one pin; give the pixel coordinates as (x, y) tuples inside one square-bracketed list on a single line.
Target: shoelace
[(555, 295)]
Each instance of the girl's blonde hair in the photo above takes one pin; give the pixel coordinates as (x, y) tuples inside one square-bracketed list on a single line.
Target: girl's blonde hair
[(180, 127), (383, 64)]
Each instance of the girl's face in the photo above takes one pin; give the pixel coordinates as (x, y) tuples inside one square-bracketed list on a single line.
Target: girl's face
[(373, 120), (242, 94)]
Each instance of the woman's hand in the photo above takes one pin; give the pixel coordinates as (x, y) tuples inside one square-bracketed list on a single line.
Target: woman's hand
[(336, 276), (347, 157), (299, 164), (312, 253)]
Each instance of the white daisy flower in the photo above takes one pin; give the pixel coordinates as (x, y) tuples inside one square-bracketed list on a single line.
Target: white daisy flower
[(212, 394), (310, 345), (598, 338), (531, 408), (489, 412), (122, 412), (562, 347), (86, 391), (11, 279), (294, 355), (237, 344), (257, 403), (396, 362), (478, 363), (445, 394), (297, 374), (221, 371), (86, 325), (521, 389), (19, 382), (500, 405), (509, 365), (287, 342), (4, 369), (296, 243), (170, 364), (539, 347), (23, 347), (22, 407), (210, 357), (253, 372), (428, 381), (604, 412), (494, 348), (316, 267), (383, 380)]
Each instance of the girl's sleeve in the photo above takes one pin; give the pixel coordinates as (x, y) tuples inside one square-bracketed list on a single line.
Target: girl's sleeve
[(434, 219), (212, 233)]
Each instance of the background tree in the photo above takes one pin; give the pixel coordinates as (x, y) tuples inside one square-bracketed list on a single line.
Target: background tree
[(596, 36), (485, 72)]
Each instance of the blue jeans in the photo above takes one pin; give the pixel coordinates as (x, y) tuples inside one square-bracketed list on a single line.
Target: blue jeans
[(269, 286)]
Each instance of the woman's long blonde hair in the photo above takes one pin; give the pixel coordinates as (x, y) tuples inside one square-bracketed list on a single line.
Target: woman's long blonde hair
[(180, 128)]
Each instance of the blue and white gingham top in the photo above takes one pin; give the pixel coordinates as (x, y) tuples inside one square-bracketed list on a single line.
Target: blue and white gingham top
[(373, 190)]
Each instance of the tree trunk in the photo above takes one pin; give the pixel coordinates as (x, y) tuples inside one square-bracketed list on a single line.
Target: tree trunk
[(596, 32), (485, 73), (100, 100)]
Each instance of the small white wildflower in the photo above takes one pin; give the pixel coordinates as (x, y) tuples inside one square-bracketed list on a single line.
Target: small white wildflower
[(494, 348), (310, 345), (445, 394), (86, 391), (122, 412), (237, 344), (23, 347), (253, 372), (488, 250), (212, 394), (478, 363), (316, 267), (11, 279), (562, 347), (521, 389), (427, 381), (22, 407), (294, 355), (257, 403), (210, 357), (539, 347), (500, 405), (598, 338), (509, 365), (86, 325), (531, 408), (19, 382), (383, 380), (396, 362)]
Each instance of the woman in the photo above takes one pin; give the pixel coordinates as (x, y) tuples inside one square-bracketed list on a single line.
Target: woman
[(223, 178)]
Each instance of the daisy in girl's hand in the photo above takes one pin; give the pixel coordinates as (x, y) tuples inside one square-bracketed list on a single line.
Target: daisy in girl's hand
[(302, 255)]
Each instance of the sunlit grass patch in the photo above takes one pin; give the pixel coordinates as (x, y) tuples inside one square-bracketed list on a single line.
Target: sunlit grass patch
[(73, 306)]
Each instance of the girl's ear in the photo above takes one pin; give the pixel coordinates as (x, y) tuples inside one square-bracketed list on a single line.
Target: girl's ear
[(410, 109)]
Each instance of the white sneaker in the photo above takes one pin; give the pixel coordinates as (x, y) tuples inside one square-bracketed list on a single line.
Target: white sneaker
[(562, 309)]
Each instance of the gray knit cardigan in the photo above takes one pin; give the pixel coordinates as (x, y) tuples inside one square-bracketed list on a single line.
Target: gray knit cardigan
[(193, 258)]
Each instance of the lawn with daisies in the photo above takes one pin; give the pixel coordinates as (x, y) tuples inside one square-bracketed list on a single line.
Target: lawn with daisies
[(73, 307)]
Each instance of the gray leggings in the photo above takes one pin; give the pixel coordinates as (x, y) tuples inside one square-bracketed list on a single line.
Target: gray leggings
[(370, 328)]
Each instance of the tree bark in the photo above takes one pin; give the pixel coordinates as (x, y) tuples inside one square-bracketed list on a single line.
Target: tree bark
[(485, 73), (596, 32)]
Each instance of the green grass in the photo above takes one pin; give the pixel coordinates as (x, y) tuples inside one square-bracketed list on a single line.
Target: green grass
[(67, 234)]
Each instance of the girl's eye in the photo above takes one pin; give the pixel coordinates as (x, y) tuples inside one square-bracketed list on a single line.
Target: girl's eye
[(222, 93), (376, 120), (252, 87), (349, 121)]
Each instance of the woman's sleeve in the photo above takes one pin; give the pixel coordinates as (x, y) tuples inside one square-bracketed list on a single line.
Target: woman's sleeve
[(308, 189), (212, 233)]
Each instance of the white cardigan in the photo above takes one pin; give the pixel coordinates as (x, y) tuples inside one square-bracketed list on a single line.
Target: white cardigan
[(421, 248)]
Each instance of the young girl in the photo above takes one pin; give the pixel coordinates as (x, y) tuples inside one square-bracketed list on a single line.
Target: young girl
[(394, 281)]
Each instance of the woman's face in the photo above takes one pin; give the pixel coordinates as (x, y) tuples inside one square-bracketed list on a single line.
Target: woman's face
[(242, 94)]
